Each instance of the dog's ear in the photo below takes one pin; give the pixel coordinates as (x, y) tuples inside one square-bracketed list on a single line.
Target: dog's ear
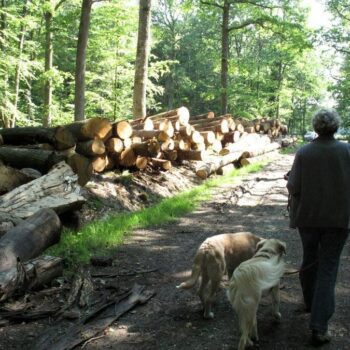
[(282, 248), (260, 244)]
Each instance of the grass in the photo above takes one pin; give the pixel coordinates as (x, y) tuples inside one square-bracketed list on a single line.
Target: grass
[(98, 237)]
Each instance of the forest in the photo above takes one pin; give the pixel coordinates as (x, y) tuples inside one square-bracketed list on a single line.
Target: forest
[(67, 60)]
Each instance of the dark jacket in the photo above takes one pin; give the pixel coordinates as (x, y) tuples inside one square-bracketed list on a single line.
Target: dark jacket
[(319, 185)]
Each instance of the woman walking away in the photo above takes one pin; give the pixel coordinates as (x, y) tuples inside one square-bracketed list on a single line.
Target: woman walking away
[(319, 187)]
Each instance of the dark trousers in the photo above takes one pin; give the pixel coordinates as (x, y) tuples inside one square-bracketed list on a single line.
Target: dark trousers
[(321, 254)]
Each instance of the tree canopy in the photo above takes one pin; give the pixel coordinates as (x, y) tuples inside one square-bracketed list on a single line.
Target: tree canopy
[(253, 59)]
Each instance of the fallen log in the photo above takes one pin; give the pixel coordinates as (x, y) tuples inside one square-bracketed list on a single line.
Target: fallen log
[(89, 129), (181, 114), (30, 238), (91, 147), (99, 163), (57, 190), (11, 178), (114, 145), (259, 158), (207, 115), (204, 169), (60, 137), (257, 151), (82, 166), (30, 275), (161, 163), (39, 159), (191, 155)]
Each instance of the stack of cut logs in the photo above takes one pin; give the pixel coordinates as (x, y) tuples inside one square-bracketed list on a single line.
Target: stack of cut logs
[(97, 144)]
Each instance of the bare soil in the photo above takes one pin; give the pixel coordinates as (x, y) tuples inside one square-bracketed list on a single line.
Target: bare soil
[(160, 257)]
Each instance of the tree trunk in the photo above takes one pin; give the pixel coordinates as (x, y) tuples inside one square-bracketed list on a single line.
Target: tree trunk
[(210, 167), (11, 178), (38, 159), (19, 66), (48, 67), (224, 55), (30, 275), (141, 65), (79, 100), (30, 238), (57, 190), (60, 137)]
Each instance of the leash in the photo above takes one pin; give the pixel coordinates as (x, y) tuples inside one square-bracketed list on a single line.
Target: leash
[(287, 273)]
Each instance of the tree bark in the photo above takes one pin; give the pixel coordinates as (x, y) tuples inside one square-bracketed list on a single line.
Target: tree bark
[(30, 275), (141, 65), (79, 100), (57, 190), (60, 137), (19, 65), (48, 68), (30, 238), (224, 54)]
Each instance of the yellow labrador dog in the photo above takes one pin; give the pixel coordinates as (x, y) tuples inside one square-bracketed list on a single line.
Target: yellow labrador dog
[(218, 255), (250, 280)]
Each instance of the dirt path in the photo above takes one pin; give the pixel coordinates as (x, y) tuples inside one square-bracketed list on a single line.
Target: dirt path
[(173, 318)]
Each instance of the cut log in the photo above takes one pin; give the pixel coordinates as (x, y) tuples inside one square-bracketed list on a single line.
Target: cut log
[(41, 160), (260, 158), (207, 115), (99, 163), (127, 157), (191, 155), (208, 136), (161, 163), (141, 162), (114, 145), (148, 148), (57, 190), (89, 129), (122, 129), (11, 178), (226, 169), (182, 114), (142, 124), (204, 169), (82, 166), (167, 145), (256, 151), (60, 137), (170, 155), (30, 238), (30, 275), (149, 134), (91, 147), (249, 141)]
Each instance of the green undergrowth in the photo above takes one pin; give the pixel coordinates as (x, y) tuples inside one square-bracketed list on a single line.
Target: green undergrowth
[(99, 237)]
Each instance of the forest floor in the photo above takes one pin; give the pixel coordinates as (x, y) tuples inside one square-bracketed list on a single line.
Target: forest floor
[(160, 257)]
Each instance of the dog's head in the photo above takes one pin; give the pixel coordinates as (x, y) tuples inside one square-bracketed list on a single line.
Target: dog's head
[(274, 246)]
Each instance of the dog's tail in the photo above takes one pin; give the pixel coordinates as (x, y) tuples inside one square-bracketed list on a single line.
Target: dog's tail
[(196, 271)]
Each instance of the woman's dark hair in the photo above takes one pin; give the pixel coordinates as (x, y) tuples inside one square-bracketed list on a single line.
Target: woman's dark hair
[(326, 121)]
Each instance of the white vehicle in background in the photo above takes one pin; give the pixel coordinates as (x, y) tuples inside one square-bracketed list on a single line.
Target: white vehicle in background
[(310, 136)]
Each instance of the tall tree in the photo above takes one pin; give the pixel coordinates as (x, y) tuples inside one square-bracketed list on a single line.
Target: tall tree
[(142, 55), (79, 100)]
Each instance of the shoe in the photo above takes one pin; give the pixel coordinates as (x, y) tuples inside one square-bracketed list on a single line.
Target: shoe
[(319, 339)]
